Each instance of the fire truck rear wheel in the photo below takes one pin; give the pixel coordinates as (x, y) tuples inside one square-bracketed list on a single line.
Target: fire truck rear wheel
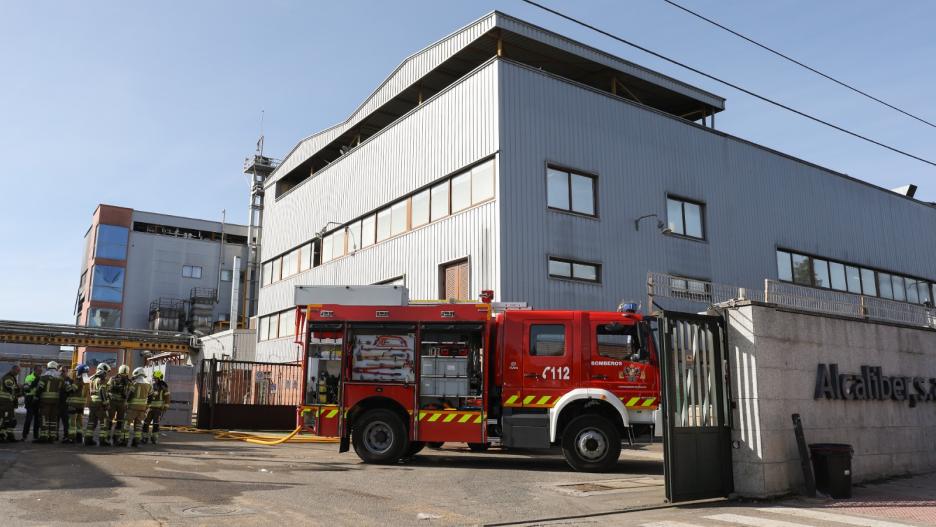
[(379, 437), (591, 443)]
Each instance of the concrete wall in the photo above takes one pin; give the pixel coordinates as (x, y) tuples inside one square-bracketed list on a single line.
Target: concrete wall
[(774, 356)]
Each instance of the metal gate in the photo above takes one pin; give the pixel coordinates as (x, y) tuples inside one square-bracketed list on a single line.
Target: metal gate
[(248, 395), (697, 429)]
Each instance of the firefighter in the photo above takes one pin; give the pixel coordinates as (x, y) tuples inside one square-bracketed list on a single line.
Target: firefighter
[(63, 402), (77, 396), (136, 405), (9, 392), (31, 402), (118, 388), (49, 392), (158, 403), (96, 401)]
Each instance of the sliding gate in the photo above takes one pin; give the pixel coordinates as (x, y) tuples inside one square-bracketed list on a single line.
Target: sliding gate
[(697, 431), (248, 395)]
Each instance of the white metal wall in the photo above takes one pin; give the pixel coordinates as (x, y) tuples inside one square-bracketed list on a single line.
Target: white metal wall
[(756, 200), (451, 130)]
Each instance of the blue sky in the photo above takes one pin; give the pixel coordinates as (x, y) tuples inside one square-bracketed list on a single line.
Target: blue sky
[(154, 105)]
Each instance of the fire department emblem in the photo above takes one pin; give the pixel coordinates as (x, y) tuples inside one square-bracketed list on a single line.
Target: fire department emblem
[(631, 373)]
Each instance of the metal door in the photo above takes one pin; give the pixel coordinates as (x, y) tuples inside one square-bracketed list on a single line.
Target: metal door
[(697, 431)]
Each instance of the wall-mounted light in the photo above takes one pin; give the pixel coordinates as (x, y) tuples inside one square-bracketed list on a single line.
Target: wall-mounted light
[(321, 234), (660, 225)]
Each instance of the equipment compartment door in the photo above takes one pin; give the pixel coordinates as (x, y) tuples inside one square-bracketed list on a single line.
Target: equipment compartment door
[(697, 431), (550, 353)]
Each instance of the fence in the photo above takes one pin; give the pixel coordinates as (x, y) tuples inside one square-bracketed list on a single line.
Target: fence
[(793, 296), (253, 395)]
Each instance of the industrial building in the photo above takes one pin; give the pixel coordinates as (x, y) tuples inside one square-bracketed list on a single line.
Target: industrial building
[(511, 158), (143, 270)]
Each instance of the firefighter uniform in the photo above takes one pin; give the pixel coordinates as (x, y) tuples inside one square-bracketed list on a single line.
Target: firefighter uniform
[(118, 389), (136, 405), (9, 391), (158, 403), (77, 396), (31, 402), (49, 391), (96, 402)]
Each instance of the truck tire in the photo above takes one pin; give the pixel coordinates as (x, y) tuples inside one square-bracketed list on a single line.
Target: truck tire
[(379, 437), (591, 443), (415, 447)]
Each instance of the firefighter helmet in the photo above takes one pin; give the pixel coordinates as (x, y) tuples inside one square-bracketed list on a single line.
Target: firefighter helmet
[(103, 368), (52, 365), (123, 370), (81, 369), (138, 372), (157, 374)]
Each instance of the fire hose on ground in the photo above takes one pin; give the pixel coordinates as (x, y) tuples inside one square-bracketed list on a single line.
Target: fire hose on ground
[(256, 439)]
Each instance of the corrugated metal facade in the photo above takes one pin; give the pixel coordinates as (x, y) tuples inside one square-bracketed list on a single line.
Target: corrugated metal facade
[(755, 200), (450, 131)]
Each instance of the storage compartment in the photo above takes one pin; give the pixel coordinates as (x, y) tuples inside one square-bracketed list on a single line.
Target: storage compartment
[(443, 387), (526, 430), (452, 367)]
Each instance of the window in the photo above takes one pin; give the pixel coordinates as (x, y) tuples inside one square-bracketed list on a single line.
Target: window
[(547, 340), (837, 272), (885, 284), (868, 286), (327, 248), (227, 275), (398, 213), (784, 267), (482, 182), (107, 283), (268, 273), (853, 278), (461, 192), (821, 272), (354, 236), (617, 341), (925, 297), (383, 225), (264, 328), (191, 271), (689, 289), (802, 270), (277, 266), (103, 317), (290, 263), (685, 218), (420, 212), (111, 242), (900, 293), (305, 257), (570, 191), (273, 326), (455, 280), (913, 294), (570, 269), (439, 206), (287, 321), (368, 230)]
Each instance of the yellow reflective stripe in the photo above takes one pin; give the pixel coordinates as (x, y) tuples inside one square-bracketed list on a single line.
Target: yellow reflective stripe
[(464, 418), (449, 417), (543, 400), (332, 413), (528, 399), (633, 401), (434, 417), (477, 419), (422, 414), (512, 399), (649, 401)]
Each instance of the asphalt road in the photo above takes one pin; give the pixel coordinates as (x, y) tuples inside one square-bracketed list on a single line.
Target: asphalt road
[(192, 479)]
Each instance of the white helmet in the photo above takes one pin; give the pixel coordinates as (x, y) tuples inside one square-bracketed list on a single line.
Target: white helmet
[(123, 370), (102, 368), (52, 365), (138, 372)]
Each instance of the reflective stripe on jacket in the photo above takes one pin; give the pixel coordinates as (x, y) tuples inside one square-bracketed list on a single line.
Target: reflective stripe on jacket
[(139, 392), (50, 387), (159, 398), (8, 387), (97, 394), (78, 394)]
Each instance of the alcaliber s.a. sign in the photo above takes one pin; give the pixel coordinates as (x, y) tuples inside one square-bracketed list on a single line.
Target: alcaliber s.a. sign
[(872, 385)]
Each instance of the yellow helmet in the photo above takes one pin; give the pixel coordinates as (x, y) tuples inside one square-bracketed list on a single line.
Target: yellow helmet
[(157, 374)]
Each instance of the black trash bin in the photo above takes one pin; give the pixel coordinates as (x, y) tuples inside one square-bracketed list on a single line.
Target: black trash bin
[(832, 465)]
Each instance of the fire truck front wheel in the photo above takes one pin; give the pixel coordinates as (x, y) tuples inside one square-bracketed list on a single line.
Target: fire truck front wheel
[(379, 436), (591, 443)]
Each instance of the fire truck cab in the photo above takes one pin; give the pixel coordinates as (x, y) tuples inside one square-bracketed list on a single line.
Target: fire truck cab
[(387, 380)]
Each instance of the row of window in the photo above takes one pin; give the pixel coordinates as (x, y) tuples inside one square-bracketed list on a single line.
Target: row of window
[(574, 270), (277, 325), (612, 341), (454, 194), (828, 274)]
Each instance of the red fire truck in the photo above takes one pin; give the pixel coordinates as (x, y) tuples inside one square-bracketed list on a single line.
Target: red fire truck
[(387, 380)]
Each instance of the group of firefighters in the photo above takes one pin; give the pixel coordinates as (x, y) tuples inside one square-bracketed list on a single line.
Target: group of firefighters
[(116, 406)]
